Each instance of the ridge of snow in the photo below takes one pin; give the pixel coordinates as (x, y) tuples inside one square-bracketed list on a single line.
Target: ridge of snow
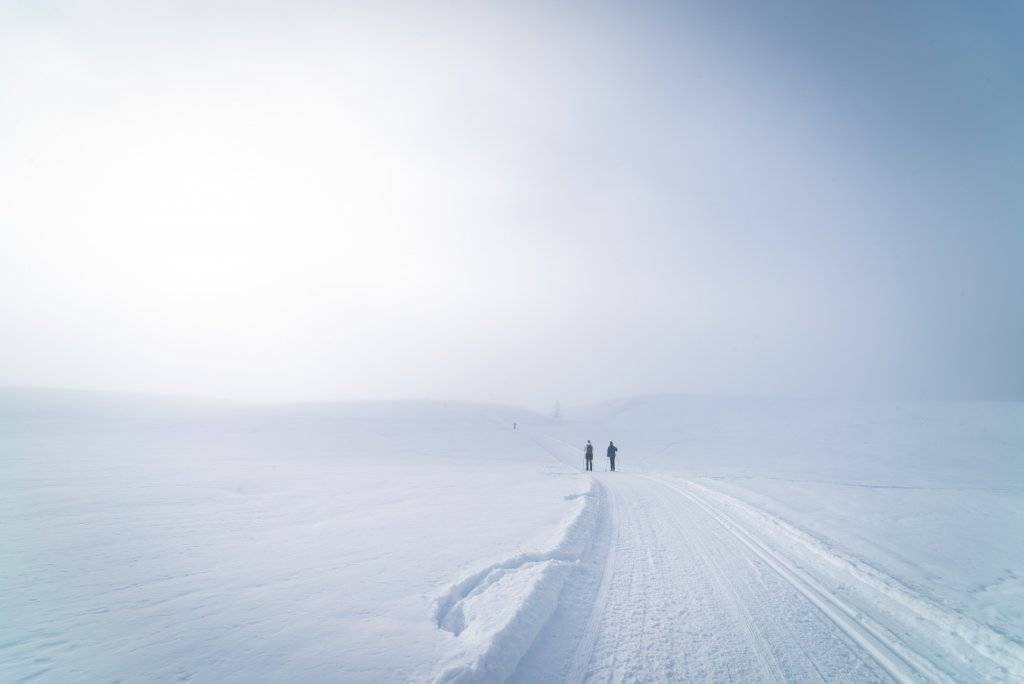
[(498, 611)]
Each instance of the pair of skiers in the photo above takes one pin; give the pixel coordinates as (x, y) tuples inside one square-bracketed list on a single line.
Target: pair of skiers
[(588, 455)]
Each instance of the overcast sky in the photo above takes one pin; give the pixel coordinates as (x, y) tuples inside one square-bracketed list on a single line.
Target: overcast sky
[(517, 202)]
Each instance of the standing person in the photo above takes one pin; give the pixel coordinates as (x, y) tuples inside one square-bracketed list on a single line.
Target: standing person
[(612, 450), (588, 454)]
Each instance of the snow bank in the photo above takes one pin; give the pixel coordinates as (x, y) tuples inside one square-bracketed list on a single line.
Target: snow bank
[(151, 540), (497, 611)]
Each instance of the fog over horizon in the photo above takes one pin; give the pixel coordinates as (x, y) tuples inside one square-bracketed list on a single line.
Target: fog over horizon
[(329, 201)]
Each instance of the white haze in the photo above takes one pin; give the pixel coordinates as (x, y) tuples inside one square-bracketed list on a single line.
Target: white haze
[(312, 201)]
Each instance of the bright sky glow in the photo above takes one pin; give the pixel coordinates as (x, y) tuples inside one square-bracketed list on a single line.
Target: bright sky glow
[(314, 201)]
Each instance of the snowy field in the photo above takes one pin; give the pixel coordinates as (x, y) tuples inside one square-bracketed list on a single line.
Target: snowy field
[(161, 540)]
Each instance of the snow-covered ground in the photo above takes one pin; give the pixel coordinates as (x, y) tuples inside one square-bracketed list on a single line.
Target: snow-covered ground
[(907, 516), (931, 492), (147, 539)]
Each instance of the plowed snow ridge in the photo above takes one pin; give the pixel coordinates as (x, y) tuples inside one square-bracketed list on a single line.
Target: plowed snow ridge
[(697, 585), (497, 611)]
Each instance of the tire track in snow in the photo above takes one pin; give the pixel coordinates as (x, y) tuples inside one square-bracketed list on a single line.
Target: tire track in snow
[(585, 651), (780, 649), (708, 555), (682, 600), (969, 649), (903, 664)]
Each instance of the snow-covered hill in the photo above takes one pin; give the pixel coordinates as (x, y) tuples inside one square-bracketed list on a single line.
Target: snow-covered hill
[(153, 539)]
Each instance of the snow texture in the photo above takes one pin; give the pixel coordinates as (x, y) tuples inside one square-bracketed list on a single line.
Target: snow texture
[(742, 540)]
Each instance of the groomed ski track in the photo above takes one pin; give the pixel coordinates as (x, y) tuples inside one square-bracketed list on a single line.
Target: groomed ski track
[(678, 582), (661, 577), (682, 597)]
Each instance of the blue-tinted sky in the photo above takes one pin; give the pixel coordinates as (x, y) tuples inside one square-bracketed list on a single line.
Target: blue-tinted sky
[(513, 203)]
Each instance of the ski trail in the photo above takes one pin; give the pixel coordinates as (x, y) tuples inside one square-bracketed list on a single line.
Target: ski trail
[(901, 663), (585, 650), (666, 581), (708, 555), (881, 604), (681, 599)]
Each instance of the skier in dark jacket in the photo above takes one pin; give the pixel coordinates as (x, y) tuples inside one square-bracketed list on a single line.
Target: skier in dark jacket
[(612, 450), (588, 454)]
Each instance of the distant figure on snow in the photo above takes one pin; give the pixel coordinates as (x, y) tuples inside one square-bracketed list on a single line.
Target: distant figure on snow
[(515, 426), (612, 450), (588, 454)]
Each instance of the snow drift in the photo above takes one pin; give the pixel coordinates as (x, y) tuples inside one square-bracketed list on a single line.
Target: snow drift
[(498, 610)]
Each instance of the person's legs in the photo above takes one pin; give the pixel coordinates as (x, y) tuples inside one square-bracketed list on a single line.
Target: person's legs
[(613, 463)]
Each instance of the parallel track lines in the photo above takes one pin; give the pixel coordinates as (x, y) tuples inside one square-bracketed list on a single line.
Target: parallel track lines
[(903, 664)]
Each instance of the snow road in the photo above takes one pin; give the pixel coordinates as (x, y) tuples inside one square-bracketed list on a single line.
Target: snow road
[(417, 542), (686, 593), (683, 598)]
